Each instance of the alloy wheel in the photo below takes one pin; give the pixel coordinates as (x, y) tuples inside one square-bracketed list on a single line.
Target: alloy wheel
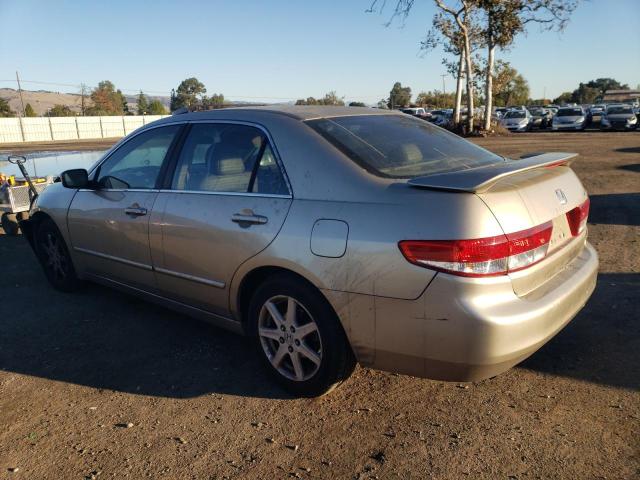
[(290, 338), (55, 259)]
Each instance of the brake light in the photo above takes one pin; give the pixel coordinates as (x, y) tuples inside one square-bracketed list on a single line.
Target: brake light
[(481, 257), (577, 218)]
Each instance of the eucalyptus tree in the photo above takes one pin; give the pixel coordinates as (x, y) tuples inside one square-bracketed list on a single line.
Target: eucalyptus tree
[(503, 20)]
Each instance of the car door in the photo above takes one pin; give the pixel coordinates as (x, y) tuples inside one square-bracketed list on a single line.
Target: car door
[(109, 225), (225, 201)]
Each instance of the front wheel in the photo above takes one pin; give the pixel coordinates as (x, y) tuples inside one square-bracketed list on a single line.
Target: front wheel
[(54, 257), (299, 337)]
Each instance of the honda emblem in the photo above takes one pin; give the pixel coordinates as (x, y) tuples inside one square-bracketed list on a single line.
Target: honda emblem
[(562, 198)]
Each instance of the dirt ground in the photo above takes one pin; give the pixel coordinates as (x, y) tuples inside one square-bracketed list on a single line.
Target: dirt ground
[(101, 385)]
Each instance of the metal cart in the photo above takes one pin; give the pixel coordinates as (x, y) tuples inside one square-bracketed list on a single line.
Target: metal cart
[(15, 201)]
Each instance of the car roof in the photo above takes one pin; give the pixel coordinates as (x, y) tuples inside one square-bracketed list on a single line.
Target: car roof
[(300, 112)]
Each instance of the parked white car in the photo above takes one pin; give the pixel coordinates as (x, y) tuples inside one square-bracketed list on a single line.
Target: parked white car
[(569, 118), (517, 120)]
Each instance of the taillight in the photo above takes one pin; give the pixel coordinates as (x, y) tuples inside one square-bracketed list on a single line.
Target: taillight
[(577, 218), (481, 257)]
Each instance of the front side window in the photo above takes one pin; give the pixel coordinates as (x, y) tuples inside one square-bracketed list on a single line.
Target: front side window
[(218, 157), (399, 146), (136, 164)]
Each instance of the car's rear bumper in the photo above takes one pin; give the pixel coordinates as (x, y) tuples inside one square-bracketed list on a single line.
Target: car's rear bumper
[(465, 329)]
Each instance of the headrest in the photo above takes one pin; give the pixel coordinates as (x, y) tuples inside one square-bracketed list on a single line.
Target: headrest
[(410, 152), (228, 166)]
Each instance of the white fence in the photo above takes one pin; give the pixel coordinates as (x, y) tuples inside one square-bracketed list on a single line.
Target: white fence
[(43, 129)]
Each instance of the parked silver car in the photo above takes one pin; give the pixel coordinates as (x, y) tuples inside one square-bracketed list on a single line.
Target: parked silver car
[(517, 120), (569, 118), (330, 235), (619, 117)]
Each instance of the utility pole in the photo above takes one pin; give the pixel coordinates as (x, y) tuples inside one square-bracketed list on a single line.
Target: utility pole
[(20, 92), (444, 92), (83, 92)]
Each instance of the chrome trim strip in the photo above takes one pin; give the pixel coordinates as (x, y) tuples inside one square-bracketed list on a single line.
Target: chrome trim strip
[(115, 259), (235, 194), (193, 278), (150, 190)]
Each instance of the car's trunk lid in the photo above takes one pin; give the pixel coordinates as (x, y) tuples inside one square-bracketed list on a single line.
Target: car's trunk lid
[(523, 194)]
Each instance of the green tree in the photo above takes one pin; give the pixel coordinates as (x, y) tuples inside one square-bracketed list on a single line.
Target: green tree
[(509, 86), (436, 99), (565, 97), (107, 100), (143, 104), (307, 101), (330, 98), (214, 101), (604, 84), (357, 104), (5, 110), (503, 20), (156, 108), (399, 96), (189, 94), (585, 94), (29, 111), (59, 111)]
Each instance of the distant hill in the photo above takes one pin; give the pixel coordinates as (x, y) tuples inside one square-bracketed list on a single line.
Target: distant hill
[(42, 100)]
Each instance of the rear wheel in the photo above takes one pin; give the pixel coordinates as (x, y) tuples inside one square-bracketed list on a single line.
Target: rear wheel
[(10, 224), (299, 337), (54, 257)]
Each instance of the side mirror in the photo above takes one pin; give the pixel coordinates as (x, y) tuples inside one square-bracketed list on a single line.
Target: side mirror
[(76, 178)]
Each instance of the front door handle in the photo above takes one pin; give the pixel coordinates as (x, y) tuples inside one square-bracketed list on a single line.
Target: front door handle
[(248, 219), (135, 211)]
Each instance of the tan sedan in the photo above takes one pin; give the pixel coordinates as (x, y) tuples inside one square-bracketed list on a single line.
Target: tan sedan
[(330, 235)]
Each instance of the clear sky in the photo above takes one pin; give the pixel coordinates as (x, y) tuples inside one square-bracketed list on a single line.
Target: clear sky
[(280, 50)]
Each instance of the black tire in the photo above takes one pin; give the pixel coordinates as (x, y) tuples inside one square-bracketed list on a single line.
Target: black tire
[(10, 224), (337, 361), (53, 254)]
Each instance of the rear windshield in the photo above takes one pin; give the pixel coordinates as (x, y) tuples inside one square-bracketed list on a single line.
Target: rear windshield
[(569, 112), (515, 115), (615, 110), (401, 147)]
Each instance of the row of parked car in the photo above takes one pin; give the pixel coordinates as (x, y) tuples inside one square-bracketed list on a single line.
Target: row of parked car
[(526, 118), (574, 117)]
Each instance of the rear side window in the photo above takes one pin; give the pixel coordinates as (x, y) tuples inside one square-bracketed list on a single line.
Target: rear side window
[(399, 146), (219, 157)]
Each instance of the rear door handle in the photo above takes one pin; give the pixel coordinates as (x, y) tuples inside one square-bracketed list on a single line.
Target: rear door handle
[(248, 219), (135, 211)]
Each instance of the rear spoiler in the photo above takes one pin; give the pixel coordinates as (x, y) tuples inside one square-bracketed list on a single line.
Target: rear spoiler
[(478, 180)]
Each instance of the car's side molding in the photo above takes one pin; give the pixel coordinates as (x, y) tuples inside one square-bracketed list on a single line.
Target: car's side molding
[(115, 259), (193, 278)]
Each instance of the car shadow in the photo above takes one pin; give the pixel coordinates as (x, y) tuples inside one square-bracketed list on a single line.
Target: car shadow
[(628, 150), (107, 340), (633, 167), (615, 209), (602, 344)]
